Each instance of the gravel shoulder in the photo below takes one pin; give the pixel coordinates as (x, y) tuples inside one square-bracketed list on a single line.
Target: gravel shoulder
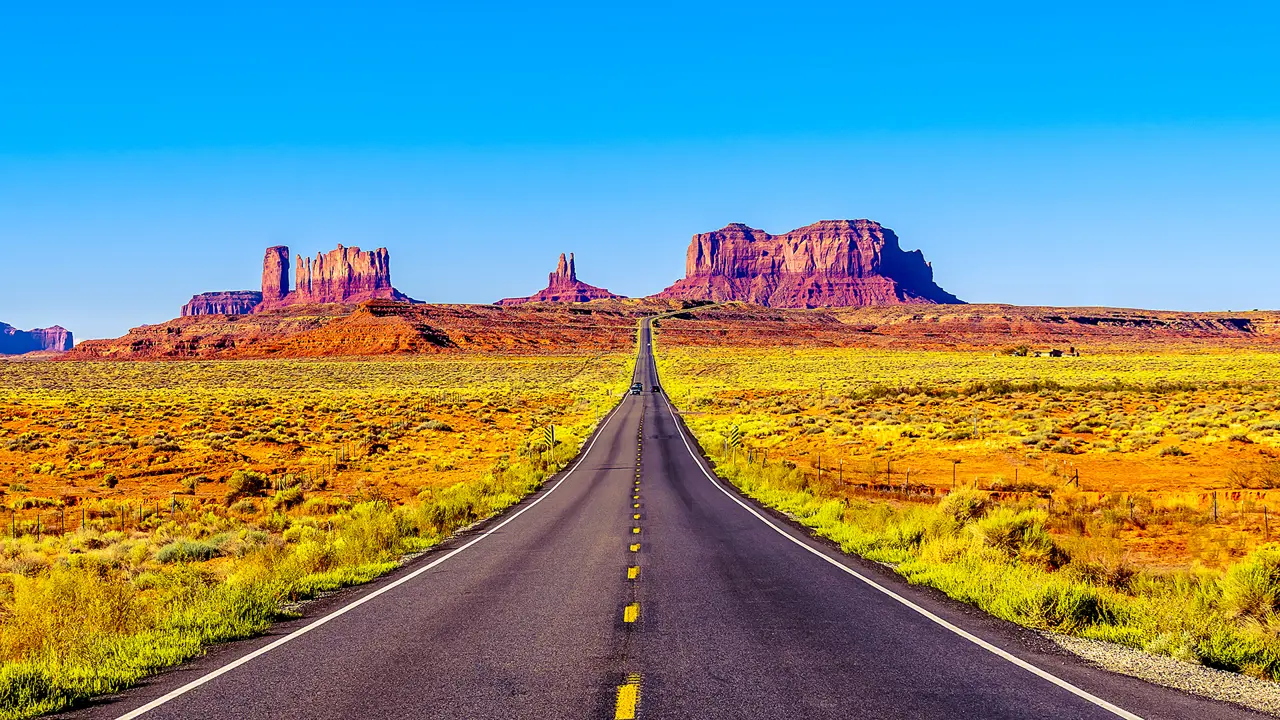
[(1234, 688)]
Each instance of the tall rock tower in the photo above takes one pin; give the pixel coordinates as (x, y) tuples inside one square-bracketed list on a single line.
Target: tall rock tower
[(275, 274)]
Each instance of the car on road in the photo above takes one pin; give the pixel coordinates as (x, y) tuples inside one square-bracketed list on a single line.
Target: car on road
[(636, 388)]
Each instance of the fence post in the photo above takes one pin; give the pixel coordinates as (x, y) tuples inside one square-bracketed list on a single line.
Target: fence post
[(1215, 506), (1266, 527)]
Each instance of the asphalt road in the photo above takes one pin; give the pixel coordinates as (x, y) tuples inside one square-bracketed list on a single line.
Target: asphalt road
[(635, 583)]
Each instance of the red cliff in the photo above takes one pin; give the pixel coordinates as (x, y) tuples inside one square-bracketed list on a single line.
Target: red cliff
[(345, 275), (18, 342), (230, 302), (275, 274), (564, 286), (832, 263)]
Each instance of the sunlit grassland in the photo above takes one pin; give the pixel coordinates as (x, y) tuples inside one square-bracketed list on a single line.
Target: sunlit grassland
[(259, 484), (1136, 556)]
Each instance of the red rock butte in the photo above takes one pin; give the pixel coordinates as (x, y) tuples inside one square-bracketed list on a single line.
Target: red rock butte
[(563, 286), (344, 275), (833, 263)]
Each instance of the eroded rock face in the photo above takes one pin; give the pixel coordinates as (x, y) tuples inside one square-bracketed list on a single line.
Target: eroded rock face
[(18, 342), (832, 263), (564, 286), (275, 274), (345, 275), (231, 302)]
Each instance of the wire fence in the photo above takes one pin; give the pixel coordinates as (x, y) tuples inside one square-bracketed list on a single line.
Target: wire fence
[(1251, 509)]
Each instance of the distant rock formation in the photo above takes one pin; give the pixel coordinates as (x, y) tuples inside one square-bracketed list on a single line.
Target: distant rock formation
[(564, 286), (275, 274), (344, 275), (832, 263), (231, 302), (18, 342)]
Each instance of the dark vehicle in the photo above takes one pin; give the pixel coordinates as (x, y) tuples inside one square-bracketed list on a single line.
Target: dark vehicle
[(636, 388), (657, 389)]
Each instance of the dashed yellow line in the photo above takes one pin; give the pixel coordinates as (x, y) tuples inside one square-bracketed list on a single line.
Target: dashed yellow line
[(636, 516), (631, 613), (633, 572), (635, 547), (635, 531), (628, 699), (637, 505)]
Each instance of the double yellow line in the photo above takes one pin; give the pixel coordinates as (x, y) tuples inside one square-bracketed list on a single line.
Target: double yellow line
[(627, 702)]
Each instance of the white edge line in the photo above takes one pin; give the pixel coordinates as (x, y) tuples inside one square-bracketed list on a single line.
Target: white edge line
[(1121, 712), (357, 603)]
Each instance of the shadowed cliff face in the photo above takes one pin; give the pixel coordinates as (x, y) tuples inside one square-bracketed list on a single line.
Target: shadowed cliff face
[(17, 342), (563, 285), (833, 263)]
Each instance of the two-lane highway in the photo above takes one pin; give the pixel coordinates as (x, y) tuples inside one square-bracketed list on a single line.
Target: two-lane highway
[(637, 584)]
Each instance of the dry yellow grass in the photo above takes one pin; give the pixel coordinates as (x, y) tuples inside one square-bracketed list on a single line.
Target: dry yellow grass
[(1165, 435)]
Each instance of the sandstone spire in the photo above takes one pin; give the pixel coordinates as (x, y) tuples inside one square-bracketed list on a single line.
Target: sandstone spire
[(275, 273), (563, 285), (565, 274)]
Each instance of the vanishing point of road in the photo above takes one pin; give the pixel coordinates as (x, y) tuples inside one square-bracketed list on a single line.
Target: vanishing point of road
[(636, 584)]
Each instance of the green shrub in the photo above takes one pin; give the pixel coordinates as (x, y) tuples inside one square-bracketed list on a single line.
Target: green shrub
[(186, 551), (244, 483), (288, 497), (964, 505), (1064, 446), (1012, 531), (1251, 587)]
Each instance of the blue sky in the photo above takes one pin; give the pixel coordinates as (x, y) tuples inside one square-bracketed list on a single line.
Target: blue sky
[(1082, 154)]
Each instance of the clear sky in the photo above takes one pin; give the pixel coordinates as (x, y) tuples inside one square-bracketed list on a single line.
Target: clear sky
[(1068, 154)]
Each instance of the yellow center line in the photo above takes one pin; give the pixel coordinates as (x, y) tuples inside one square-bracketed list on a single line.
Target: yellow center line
[(635, 547), (635, 531), (631, 613), (633, 572), (628, 698), (637, 504), (636, 516)]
